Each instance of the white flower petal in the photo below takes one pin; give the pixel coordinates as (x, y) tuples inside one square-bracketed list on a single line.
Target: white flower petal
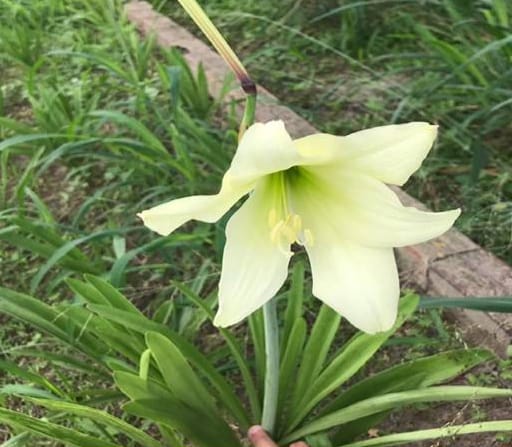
[(358, 282), (361, 283), (388, 153), (165, 218), (365, 210), (265, 148), (253, 267)]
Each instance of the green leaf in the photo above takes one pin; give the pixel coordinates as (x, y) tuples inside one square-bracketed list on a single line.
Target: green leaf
[(317, 346), (142, 325), (236, 352), (490, 304), (412, 375), (62, 251), (44, 211), (153, 401), (354, 354), (120, 266), (25, 391), (258, 341), (89, 293), (21, 373), (289, 363), (393, 400), (434, 433), (178, 375), (64, 361), (115, 298), (22, 139), (185, 384), (50, 321), (101, 417), (49, 430), (134, 125), (294, 303), (184, 419)]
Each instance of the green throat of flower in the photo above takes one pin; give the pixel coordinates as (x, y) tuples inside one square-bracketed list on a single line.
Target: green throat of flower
[(285, 225)]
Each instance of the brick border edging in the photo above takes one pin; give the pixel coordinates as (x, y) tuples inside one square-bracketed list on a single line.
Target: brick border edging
[(451, 265)]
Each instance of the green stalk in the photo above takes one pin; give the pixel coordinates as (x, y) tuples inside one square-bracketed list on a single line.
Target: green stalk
[(249, 111), (271, 392)]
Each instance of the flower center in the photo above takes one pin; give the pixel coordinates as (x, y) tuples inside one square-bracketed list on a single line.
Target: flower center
[(286, 226)]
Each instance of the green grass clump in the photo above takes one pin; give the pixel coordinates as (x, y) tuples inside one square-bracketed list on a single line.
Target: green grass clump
[(97, 124), (91, 116)]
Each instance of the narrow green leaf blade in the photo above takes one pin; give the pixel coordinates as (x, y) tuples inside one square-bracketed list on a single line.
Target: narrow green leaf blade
[(412, 375), (392, 400), (434, 433), (501, 304), (101, 417), (353, 356), (178, 375), (49, 430), (142, 325)]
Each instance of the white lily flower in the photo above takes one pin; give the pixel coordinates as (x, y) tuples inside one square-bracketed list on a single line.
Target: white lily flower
[(328, 194)]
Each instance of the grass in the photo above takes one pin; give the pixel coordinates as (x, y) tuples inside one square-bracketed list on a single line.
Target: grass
[(97, 124), (368, 63), (90, 116)]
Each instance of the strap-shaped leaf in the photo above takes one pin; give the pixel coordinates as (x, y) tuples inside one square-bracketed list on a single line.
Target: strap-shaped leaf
[(49, 320), (412, 375), (112, 295), (50, 430), (178, 374), (294, 307), (257, 331), (489, 304), (355, 353), (142, 325), (21, 373), (319, 342), (101, 417), (378, 404), (289, 363), (202, 433), (236, 352), (153, 401), (88, 292), (434, 433)]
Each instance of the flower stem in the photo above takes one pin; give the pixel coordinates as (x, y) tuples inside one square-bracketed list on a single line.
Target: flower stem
[(272, 366), (249, 111)]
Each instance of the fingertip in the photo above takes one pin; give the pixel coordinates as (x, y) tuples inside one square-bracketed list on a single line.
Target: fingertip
[(255, 430), (259, 437), (299, 444)]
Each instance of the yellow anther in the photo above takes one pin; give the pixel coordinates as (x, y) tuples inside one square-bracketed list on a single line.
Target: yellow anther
[(287, 231)]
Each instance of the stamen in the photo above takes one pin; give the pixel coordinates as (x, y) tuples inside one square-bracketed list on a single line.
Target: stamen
[(286, 227), (275, 232)]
